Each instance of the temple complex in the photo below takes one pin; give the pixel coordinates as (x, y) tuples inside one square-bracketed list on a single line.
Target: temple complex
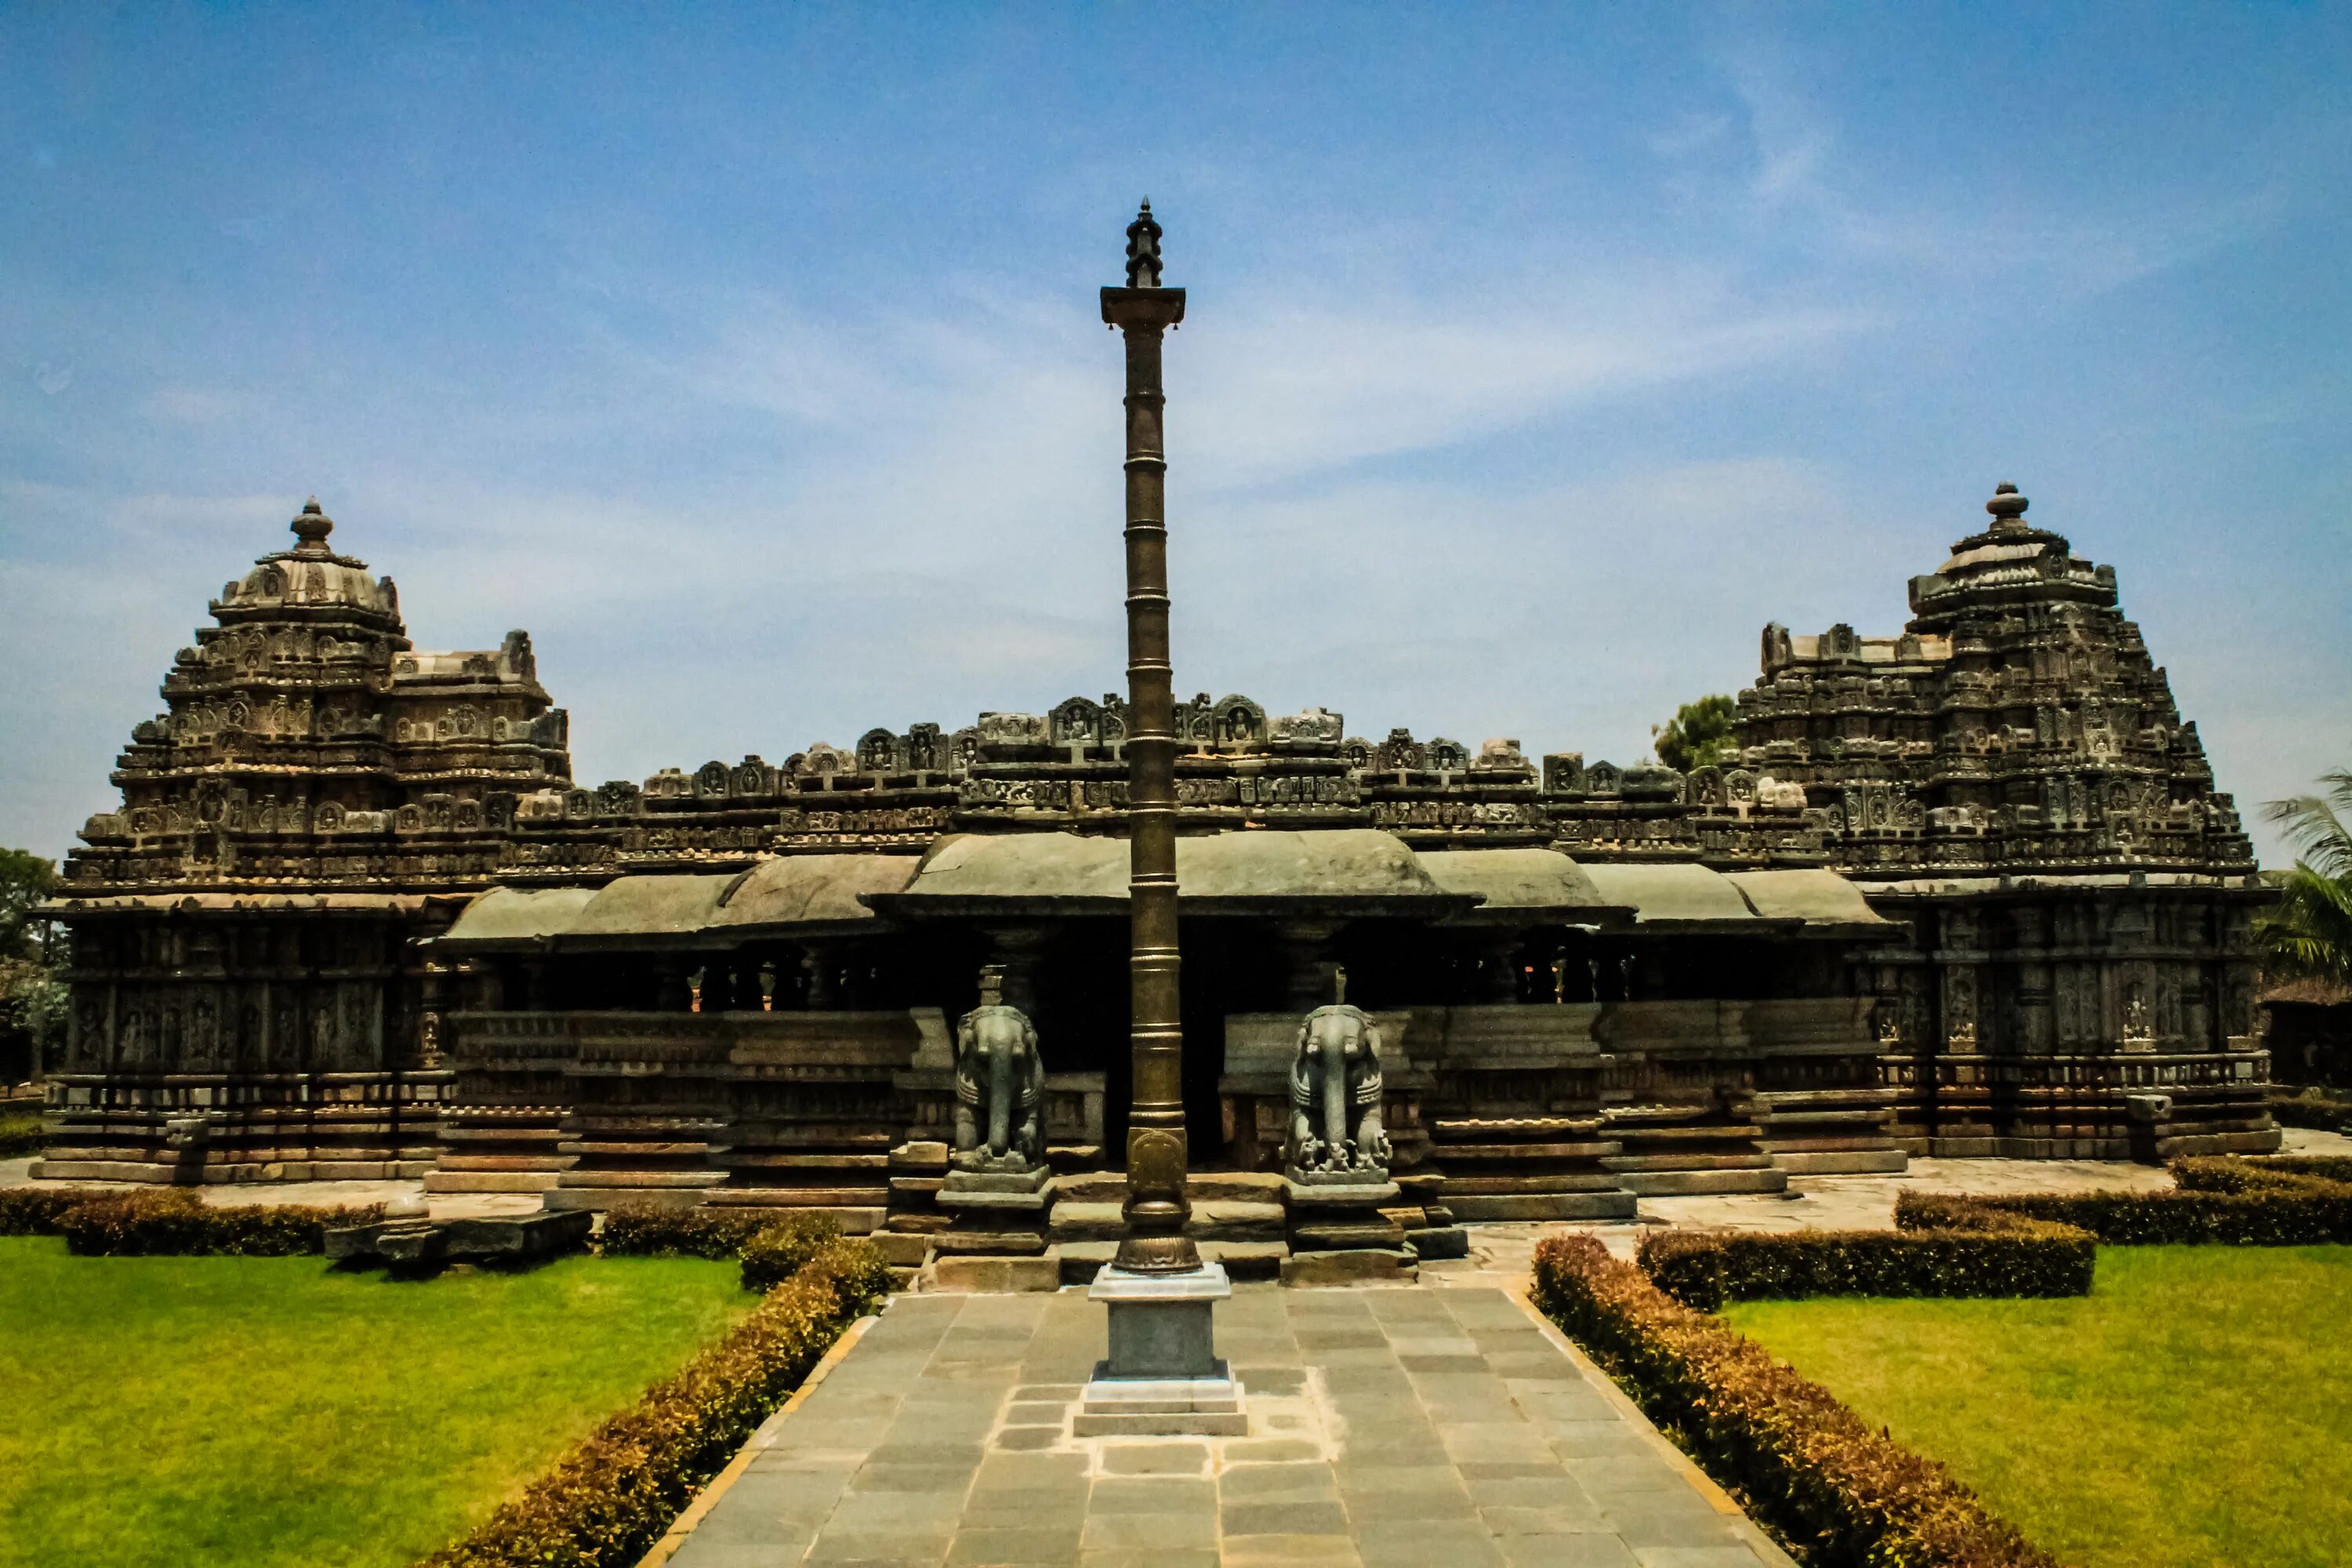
[(1965, 890)]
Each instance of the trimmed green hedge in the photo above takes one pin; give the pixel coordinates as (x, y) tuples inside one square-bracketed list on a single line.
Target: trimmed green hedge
[(2222, 1202), (657, 1230), (1837, 1489), (610, 1500), (2003, 1256), (173, 1222)]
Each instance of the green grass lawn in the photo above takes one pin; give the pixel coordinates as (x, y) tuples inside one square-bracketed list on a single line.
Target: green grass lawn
[(2195, 1409), (174, 1411)]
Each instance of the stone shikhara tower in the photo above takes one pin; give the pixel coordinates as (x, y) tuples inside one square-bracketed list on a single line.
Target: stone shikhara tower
[(2010, 776), (317, 796)]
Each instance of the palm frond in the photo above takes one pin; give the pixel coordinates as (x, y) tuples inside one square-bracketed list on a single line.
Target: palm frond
[(2308, 932), (2315, 830)]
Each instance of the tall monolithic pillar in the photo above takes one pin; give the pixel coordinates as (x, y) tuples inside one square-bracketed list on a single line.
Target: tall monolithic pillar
[(1156, 1206)]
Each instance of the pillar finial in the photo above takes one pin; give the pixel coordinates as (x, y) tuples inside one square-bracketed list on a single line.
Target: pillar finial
[(1143, 249)]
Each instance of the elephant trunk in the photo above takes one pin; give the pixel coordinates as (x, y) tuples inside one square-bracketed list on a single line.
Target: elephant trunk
[(1335, 1091), (999, 1102)]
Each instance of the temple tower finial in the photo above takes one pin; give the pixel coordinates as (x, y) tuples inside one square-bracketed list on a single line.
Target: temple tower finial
[(2008, 508), (311, 528)]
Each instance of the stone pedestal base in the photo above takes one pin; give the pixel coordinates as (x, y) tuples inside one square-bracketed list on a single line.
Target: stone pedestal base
[(1330, 1216), (1163, 1376), (995, 1213)]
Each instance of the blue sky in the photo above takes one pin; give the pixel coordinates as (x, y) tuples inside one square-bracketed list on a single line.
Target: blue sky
[(1536, 357)]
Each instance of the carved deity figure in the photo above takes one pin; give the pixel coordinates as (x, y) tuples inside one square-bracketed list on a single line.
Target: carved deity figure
[(1335, 1092), (999, 1084)]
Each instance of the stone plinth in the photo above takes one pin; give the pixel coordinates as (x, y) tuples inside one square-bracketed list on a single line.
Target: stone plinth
[(1340, 1213), (1163, 1376), (995, 1213)]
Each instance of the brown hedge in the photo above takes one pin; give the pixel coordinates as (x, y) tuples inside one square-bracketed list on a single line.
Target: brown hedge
[(608, 1501), (2219, 1202), (2326, 1167), (2011, 1256), (173, 1222), (777, 1249), (1845, 1494), (34, 1211)]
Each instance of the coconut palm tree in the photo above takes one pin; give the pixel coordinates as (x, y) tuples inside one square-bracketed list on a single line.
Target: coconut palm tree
[(2308, 932)]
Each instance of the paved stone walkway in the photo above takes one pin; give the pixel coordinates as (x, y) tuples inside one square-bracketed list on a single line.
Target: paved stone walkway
[(1389, 1427)]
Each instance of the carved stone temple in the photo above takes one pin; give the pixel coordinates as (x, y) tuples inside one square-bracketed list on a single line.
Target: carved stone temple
[(1968, 889)]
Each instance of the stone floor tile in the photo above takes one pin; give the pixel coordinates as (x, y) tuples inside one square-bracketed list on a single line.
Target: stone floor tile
[(908, 1549), (1543, 1469), (1290, 1551), (1030, 1470), (1595, 1439), (1358, 1474), (1556, 1518), (1290, 1451), (1060, 1393), (1547, 1365), (1301, 1518), (954, 1479), (782, 1539), (862, 1511), (1150, 1557), (1037, 1411), (1275, 1380), (701, 1552), (1695, 1557), (1592, 1550), (1528, 1491), (1268, 1483), (1644, 1528), (1403, 1544), (1153, 1494), (1451, 1503), (1056, 1493), (1612, 1474), (1038, 1546), (1179, 1458), (1026, 1439), (964, 1455), (1133, 1531)]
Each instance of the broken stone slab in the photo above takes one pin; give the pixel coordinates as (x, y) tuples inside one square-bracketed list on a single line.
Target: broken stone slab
[(410, 1241)]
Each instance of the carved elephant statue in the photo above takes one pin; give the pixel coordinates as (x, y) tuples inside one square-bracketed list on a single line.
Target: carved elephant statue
[(999, 1082), (1334, 1093)]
